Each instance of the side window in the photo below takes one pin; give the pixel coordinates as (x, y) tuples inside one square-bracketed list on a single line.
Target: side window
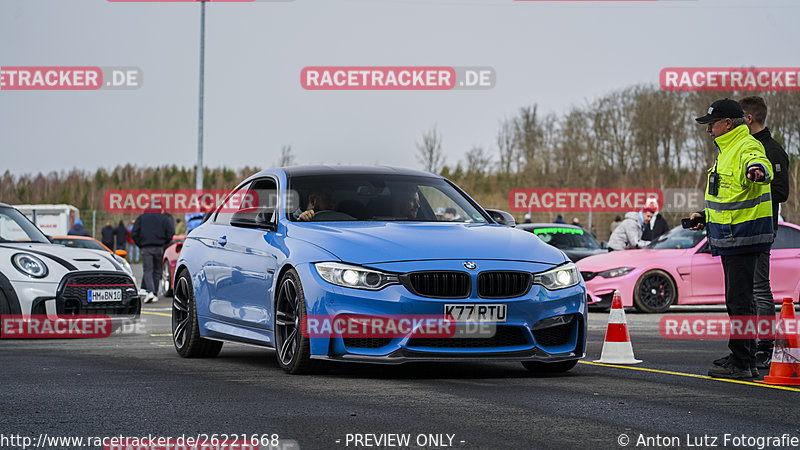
[(263, 198), (231, 205), (787, 237)]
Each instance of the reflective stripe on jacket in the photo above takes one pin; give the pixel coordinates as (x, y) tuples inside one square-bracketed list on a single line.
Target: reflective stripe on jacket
[(739, 218)]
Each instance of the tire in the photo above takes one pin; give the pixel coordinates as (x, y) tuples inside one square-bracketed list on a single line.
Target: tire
[(292, 349), (556, 367), (165, 284), (185, 330), (654, 292)]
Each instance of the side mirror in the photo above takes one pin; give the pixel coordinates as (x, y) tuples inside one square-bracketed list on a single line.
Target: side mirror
[(603, 244), (178, 247), (121, 253), (254, 218), (502, 217)]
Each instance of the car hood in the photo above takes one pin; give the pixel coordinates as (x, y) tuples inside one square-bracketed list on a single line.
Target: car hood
[(626, 258), (577, 254), (66, 257), (379, 242)]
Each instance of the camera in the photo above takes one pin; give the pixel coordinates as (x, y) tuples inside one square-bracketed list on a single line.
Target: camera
[(689, 223)]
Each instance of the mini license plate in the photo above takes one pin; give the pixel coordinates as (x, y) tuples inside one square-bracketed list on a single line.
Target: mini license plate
[(469, 312), (104, 295)]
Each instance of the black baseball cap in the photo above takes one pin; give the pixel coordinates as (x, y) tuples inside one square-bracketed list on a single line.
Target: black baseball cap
[(722, 109)]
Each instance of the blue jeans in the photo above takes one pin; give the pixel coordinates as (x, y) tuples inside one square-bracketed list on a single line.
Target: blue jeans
[(133, 254)]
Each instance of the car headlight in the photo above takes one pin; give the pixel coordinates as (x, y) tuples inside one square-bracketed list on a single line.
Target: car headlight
[(354, 276), (561, 277), (123, 263), (613, 273), (29, 265)]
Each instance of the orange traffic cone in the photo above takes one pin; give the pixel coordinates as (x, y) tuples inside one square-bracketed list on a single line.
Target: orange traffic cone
[(617, 348), (785, 367)]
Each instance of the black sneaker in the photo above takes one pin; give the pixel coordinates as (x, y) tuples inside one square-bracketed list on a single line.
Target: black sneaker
[(729, 372), (763, 359), (754, 372), (723, 361)]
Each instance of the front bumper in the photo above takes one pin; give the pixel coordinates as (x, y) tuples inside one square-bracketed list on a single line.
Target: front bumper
[(541, 325), (72, 295)]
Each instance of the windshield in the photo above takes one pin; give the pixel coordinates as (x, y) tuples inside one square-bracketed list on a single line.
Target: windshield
[(366, 197), (565, 238), (80, 243), (15, 227), (677, 238)]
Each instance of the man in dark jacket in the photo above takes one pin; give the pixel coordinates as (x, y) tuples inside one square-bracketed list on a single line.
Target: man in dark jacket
[(658, 224), (755, 114), (77, 229), (738, 220), (152, 232), (107, 236), (121, 235)]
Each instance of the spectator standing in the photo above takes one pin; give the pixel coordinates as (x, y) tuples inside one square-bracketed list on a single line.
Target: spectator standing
[(77, 229), (755, 116), (628, 235), (576, 222), (180, 226), (738, 217), (559, 219), (121, 236), (658, 224), (152, 232), (107, 236), (133, 254)]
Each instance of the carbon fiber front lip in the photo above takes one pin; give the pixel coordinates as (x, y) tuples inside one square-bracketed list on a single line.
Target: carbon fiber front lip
[(402, 356)]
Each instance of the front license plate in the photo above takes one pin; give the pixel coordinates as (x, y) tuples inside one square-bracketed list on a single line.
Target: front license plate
[(104, 295), (476, 312)]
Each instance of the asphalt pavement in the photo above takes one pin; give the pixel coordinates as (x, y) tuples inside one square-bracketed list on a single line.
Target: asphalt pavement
[(134, 384)]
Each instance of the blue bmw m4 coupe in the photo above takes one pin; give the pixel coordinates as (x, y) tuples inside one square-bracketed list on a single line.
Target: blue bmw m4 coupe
[(373, 264)]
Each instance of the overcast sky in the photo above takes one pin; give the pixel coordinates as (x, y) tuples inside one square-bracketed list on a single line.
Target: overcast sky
[(555, 54)]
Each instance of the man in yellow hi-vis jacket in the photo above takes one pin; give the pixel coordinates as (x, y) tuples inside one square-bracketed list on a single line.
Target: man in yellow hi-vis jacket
[(738, 220)]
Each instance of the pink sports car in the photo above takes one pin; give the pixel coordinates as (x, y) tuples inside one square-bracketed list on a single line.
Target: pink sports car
[(678, 269)]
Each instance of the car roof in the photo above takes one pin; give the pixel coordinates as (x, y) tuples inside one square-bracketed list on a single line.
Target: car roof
[(352, 170)]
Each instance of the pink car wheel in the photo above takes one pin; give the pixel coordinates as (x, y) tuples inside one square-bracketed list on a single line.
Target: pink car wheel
[(654, 292)]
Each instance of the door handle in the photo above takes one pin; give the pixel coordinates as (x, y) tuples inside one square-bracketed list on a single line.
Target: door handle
[(222, 240)]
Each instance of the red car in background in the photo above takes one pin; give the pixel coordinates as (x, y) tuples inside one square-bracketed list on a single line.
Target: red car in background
[(168, 265)]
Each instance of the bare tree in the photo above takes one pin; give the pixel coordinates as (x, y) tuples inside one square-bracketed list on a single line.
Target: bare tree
[(287, 157), (478, 162), (506, 145), (429, 151), (527, 135)]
